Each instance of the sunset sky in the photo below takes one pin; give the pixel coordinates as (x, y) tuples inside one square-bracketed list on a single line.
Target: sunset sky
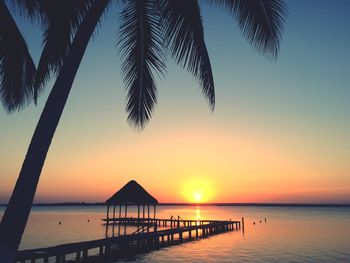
[(280, 131)]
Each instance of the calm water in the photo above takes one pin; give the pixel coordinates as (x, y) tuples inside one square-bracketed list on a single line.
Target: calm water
[(291, 234)]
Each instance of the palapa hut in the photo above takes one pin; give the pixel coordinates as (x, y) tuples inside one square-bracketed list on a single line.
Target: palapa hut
[(132, 194)]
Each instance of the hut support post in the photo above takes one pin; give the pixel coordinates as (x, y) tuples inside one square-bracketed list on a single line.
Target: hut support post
[(138, 215), (154, 217), (120, 215), (148, 219), (107, 214), (126, 213)]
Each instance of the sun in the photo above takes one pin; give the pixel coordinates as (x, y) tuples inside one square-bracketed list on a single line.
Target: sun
[(197, 197), (197, 191)]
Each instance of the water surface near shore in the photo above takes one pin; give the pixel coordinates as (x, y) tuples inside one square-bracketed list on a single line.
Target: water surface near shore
[(290, 234)]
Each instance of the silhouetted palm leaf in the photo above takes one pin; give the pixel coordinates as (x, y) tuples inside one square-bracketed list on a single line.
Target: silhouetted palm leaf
[(261, 21), (141, 47), (16, 65), (183, 33), (61, 19), (30, 8)]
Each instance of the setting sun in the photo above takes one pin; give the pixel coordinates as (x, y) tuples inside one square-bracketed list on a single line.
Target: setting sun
[(197, 196), (198, 190)]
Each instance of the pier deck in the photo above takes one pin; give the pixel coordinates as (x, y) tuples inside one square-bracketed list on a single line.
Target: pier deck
[(113, 247)]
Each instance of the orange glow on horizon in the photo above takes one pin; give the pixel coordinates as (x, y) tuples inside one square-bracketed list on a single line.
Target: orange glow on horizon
[(208, 167)]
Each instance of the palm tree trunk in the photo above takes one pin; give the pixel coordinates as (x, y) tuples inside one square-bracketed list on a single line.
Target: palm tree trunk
[(17, 211)]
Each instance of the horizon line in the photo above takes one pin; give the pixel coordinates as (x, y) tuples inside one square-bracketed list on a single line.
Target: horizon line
[(200, 204)]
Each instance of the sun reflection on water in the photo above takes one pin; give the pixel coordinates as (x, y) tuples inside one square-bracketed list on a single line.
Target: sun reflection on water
[(198, 213)]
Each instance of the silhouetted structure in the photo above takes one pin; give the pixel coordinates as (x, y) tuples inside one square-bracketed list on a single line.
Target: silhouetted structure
[(103, 250), (132, 194), (172, 232)]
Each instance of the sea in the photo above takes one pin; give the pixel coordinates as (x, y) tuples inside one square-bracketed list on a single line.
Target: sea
[(289, 234)]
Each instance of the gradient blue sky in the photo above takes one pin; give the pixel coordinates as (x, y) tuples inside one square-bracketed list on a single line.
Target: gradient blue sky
[(279, 133)]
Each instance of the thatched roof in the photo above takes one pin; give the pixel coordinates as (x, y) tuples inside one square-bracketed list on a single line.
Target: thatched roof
[(132, 193)]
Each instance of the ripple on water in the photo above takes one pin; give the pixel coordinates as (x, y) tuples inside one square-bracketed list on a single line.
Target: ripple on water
[(291, 234), (295, 235)]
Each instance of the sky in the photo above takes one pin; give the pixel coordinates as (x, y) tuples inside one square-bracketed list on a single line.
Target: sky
[(280, 131)]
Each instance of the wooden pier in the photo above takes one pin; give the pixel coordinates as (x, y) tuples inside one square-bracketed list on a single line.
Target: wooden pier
[(115, 247)]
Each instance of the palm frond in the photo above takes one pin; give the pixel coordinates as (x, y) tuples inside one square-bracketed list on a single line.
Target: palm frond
[(29, 8), (60, 23), (261, 21), (141, 47), (17, 68), (183, 33)]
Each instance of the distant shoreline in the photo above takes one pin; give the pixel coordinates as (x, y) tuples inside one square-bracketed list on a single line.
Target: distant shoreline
[(204, 204)]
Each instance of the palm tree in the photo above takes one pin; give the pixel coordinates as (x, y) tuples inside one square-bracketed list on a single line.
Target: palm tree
[(17, 71), (17, 68), (148, 29)]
